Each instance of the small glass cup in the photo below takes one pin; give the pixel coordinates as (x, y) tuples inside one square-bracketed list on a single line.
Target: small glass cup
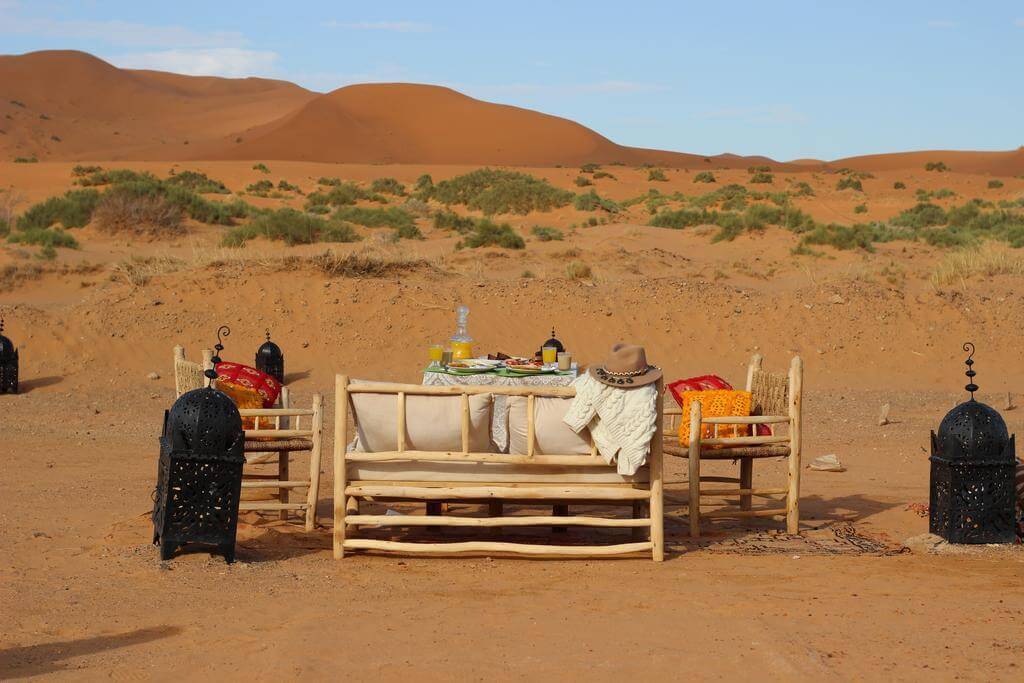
[(564, 361), (446, 358), (549, 354), (436, 354)]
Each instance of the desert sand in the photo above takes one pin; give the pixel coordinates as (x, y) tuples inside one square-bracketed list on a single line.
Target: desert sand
[(84, 595)]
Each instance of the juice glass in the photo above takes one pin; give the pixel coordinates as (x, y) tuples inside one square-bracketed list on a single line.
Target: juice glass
[(436, 353), (549, 354)]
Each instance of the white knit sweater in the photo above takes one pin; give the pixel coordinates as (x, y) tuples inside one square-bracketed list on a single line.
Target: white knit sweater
[(622, 421)]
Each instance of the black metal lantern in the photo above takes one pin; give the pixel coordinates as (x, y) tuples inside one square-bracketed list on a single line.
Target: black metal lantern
[(199, 480), (8, 364), (972, 473), (270, 359)]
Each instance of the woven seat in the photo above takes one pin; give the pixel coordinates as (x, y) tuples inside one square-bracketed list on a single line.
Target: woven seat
[(260, 445), (773, 451)]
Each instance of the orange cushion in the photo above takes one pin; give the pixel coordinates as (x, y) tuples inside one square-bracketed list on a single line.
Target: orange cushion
[(715, 403), (245, 397)]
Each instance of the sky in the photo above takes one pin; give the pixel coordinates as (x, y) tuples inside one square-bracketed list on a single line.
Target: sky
[(789, 79)]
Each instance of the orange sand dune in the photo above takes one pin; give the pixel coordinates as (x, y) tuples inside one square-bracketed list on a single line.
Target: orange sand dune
[(67, 105), (994, 163)]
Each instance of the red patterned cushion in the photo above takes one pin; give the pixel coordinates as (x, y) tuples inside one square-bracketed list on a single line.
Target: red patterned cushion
[(706, 383), (250, 378)]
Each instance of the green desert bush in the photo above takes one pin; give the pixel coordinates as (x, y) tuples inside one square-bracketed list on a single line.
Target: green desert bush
[(43, 237), (846, 237), (197, 182), (603, 174), (899, 185), (860, 208), (292, 227), (494, 191), (449, 220), (546, 234), (683, 218), (260, 187), (343, 194), (656, 174), (72, 210), (26, 160), (318, 209), (753, 170), (849, 183), (376, 217), (762, 177), (328, 182), (704, 177), (487, 233), (424, 187), (79, 170), (922, 215), (285, 186), (582, 182), (262, 168), (936, 166), (591, 201), (803, 189), (114, 176), (995, 184), (589, 168), (388, 186)]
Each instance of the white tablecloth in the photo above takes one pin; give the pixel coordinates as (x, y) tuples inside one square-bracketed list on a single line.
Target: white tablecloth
[(499, 425)]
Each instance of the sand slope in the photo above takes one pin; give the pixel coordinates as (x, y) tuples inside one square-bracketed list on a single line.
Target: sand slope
[(70, 105), (994, 163)]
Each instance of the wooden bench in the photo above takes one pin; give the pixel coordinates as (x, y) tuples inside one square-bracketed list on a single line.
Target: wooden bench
[(486, 478)]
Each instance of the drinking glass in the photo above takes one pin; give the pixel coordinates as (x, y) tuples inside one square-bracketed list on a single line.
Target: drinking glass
[(549, 354), (564, 361), (436, 354), (446, 358)]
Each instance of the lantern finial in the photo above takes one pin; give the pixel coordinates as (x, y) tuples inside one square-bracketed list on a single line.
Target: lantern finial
[(268, 334), (222, 331), (971, 386), (1, 323)]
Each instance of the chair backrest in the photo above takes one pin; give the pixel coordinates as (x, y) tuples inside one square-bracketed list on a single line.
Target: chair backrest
[(188, 375), (769, 391)]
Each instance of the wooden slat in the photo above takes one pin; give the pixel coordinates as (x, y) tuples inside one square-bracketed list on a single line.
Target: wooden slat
[(531, 426), (745, 513), (273, 412), (748, 420), (315, 455), (563, 460), (656, 500), (459, 389), (273, 484), (340, 443), (495, 547), (744, 441), (532, 492), (414, 520), (465, 423), (736, 492)]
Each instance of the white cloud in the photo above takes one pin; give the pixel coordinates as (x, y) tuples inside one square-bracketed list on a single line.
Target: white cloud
[(941, 23), (392, 26), (229, 62), (771, 114), (14, 21)]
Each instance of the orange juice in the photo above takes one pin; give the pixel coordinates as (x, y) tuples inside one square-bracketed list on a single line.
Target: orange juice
[(549, 354), (436, 353), (462, 349)]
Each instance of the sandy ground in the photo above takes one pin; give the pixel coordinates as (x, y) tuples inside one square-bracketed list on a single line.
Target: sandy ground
[(84, 595)]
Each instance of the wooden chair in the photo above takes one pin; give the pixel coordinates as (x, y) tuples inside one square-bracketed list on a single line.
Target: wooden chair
[(775, 400), (287, 438), (486, 479)]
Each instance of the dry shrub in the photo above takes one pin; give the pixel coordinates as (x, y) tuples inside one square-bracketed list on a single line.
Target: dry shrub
[(367, 265), (986, 260), (14, 274), (577, 270), (146, 215), (137, 271)]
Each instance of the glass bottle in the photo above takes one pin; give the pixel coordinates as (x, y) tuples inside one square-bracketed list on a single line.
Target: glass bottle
[(461, 342)]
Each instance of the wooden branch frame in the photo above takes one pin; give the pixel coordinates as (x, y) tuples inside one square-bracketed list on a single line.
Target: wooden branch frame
[(638, 497)]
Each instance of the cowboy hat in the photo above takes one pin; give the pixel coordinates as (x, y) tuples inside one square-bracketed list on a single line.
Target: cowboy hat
[(626, 368)]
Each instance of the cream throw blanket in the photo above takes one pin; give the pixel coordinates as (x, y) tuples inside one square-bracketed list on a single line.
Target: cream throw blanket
[(622, 421)]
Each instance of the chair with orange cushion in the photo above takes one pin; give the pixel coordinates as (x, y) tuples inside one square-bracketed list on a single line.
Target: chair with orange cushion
[(775, 400), (271, 435)]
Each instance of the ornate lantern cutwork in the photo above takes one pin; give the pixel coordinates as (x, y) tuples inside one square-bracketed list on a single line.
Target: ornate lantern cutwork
[(8, 364), (199, 479), (972, 473), (270, 359)]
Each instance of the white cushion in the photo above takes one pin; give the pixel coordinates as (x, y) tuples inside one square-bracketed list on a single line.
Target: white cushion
[(432, 423), (553, 436)]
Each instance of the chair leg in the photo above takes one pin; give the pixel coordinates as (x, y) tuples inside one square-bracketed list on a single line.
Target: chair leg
[(694, 468), (793, 496), (746, 481), (282, 474)]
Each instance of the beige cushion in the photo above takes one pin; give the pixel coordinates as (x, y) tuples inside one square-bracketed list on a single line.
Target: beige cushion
[(432, 423), (554, 437)]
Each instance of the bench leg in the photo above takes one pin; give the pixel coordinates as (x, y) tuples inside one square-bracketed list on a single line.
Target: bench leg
[(282, 474), (746, 481)]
